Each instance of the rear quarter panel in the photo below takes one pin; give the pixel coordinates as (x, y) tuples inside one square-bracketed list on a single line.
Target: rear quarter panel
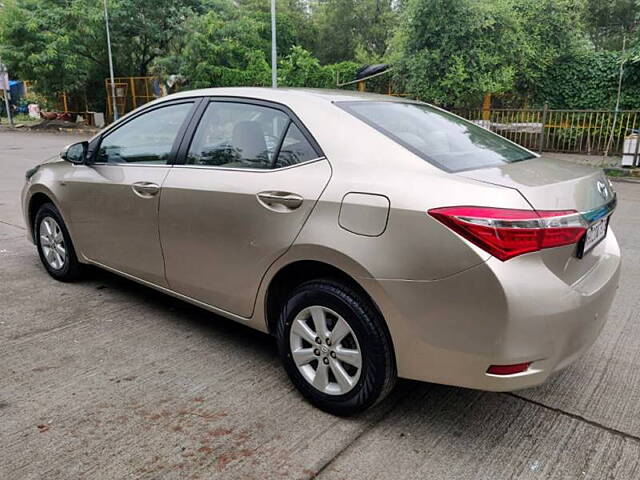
[(413, 245)]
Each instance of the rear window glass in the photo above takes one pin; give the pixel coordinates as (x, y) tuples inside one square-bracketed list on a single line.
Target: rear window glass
[(448, 142)]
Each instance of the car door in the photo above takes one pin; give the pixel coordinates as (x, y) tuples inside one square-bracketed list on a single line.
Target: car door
[(113, 200), (250, 177)]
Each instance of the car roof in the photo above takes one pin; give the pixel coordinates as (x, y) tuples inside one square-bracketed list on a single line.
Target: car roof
[(285, 95)]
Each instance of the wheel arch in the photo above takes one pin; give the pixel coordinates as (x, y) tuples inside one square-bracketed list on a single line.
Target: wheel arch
[(36, 201), (293, 274)]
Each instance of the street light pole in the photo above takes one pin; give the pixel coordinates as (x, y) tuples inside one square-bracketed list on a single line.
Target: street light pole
[(274, 56), (113, 85), (4, 76)]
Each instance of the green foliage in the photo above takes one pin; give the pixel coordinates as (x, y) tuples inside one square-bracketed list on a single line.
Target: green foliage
[(230, 45), (33, 48), (478, 49), (301, 69), (552, 29), (449, 52), (529, 50), (61, 45), (609, 20), (224, 48), (38, 99), (350, 29), (588, 80)]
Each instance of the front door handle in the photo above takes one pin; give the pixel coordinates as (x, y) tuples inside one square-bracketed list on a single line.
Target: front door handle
[(145, 189), (277, 200)]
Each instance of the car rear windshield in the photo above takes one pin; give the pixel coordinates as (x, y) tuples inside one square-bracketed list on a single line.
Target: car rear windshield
[(448, 142)]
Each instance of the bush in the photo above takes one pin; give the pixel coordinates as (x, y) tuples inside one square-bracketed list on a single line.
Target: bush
[(589, 80), (301, 69)]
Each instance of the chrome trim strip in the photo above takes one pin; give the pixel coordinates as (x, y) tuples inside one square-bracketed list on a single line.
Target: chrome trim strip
[(129, 164), (209, 167), (263, 170), (592, 216)]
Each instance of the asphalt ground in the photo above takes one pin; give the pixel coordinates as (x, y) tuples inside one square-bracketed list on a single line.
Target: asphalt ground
[(106, 379)]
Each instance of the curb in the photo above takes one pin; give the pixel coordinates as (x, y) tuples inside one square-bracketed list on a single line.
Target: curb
[(25, 129), (624, 179), (623, 174)]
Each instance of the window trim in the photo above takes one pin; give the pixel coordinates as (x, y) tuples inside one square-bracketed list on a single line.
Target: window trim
[(344, 105), (279, 149), (276, 152), (189, 135), (251, 170), (195, 101)]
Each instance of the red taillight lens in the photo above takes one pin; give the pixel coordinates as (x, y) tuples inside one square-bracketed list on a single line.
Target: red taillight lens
[(508, 369), (507, 233)]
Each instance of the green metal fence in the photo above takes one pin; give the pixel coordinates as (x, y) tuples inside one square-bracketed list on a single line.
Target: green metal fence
[(569, 131)]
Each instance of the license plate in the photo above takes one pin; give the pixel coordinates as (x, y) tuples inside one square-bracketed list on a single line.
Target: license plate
[(595, 234)]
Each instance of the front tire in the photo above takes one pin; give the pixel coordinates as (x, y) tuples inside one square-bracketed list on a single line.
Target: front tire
[(335, 347), (54, 244)]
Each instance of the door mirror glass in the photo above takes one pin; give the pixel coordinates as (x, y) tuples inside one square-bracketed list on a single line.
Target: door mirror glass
[(75, 153)]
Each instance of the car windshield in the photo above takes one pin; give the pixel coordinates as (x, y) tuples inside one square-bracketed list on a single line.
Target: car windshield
[(448, 142)]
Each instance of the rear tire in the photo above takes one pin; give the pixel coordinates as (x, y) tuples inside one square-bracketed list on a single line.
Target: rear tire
[(353, 366), (54, 244)]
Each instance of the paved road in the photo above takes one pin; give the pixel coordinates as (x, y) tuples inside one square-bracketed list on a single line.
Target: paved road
[(106, 379)]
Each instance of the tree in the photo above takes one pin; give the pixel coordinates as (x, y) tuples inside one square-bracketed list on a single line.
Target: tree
[(350, 28), (589, 80), (301, 69), (554, 30), (60, 45), (609, 20), (493, 46), (223, 47), (33, 46), (230, 45), (477, 49)]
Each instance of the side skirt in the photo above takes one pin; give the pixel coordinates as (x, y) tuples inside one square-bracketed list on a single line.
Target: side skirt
[(231, 316)]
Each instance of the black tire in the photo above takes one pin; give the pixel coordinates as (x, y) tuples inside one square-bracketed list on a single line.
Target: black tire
[(71, 269), (378, 369)]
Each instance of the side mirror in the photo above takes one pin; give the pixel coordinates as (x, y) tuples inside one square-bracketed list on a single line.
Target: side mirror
[(75, 153)]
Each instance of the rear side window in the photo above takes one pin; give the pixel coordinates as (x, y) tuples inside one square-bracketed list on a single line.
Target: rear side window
[(247, 135), (237, 135), (295, 148), (448, 142)]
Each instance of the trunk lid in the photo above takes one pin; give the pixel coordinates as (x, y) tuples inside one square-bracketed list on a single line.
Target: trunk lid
[(550, 184)]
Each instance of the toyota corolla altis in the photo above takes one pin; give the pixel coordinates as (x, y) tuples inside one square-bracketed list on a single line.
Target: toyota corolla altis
[(374, 236)]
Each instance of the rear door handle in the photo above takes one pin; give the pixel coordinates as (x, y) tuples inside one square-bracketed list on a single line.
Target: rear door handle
[(145, 189), (272, 199)]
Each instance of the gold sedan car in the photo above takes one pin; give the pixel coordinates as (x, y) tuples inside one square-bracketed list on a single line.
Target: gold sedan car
[(375, 237)]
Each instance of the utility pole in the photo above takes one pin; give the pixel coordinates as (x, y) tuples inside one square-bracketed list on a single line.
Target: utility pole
[(274, 55), (113, 85), (4, 80), (615, 114)]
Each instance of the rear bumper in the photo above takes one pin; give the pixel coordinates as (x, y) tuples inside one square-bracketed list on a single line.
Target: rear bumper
[(450, 331)]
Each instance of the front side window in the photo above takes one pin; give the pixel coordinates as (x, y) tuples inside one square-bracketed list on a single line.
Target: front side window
[(237, 135), (441, 138), (147, 139)]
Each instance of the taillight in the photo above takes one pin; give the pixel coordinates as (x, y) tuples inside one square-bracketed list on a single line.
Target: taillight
[(508, 369), (507, 233)]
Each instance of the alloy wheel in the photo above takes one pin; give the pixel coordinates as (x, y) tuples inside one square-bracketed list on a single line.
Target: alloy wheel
[(52, 243), (325, 350)]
